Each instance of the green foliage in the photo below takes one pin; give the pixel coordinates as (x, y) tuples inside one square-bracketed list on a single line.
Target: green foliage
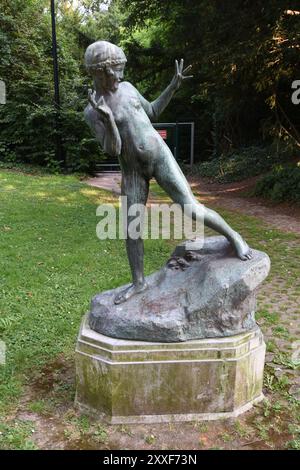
[(28, 120), (238, 165), (282, 184), (244, 57)]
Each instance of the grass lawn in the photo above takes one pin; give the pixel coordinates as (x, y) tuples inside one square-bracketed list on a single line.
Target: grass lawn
[(50, 266)]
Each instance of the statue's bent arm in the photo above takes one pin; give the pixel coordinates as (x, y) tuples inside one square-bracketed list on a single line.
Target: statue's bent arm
[(112, 140), (156, 107), (105, 131)]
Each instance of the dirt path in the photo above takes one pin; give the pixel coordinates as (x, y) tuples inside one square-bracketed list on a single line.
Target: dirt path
[(284, 217), (110, 181)]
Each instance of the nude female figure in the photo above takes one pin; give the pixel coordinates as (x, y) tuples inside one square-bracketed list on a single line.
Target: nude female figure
[(121, 119)]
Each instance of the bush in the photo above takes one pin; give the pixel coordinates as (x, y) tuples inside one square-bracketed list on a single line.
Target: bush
[(28, 128), (282, 184), (239, 165)]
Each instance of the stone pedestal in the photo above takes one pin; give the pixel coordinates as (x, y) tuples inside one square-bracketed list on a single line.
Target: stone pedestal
[(126, 381)]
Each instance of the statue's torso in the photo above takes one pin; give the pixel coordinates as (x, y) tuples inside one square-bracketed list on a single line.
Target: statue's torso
[(141, 143)]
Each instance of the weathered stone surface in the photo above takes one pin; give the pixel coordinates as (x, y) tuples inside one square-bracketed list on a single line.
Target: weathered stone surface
[(200, 293), (146, 382)]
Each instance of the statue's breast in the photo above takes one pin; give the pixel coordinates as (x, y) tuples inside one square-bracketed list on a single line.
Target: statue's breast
[(135, 103), (126, 108)]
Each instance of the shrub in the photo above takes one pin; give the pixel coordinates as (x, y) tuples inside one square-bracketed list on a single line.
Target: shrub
[(282, 184), (28, 127), (240, 164)]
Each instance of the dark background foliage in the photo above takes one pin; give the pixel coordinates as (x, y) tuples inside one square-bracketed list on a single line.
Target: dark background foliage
[(245, 56)]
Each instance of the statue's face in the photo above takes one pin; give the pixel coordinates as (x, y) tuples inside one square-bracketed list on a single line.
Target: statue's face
[(111, 77)]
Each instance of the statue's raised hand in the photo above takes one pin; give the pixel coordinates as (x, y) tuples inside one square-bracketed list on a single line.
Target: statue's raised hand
[(180, 74), (100, 106)]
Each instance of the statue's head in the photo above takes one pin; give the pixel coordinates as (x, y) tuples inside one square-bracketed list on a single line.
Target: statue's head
[(106, 62)]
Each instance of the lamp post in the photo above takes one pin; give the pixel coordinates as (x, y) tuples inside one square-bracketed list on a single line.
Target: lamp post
[(59, 153)]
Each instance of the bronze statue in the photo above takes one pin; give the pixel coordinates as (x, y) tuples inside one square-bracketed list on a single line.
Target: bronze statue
[(121, 119)]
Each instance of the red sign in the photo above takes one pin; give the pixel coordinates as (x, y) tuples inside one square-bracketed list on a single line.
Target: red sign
[(163, 133)]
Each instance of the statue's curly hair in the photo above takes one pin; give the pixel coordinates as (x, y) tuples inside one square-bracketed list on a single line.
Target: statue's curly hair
[(102, 54)]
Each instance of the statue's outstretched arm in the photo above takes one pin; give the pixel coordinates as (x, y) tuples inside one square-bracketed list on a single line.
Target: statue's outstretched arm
[(104, 127), (157, 106)]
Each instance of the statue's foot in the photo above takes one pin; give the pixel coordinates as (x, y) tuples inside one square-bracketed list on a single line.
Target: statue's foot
[(129, 292), (242, 249)]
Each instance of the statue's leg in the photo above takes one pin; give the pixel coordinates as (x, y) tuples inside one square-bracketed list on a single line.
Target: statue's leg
[(170, 177), (136, 188)]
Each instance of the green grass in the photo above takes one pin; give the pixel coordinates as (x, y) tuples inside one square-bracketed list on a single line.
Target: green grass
[(51, 265), (17, 437), (270, 318)]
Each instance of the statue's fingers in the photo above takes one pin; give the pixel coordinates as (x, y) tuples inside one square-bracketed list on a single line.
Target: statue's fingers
[(104, 104), (181, 65), (92, 99), (176, 67), (187, 76), (90, 94), (187, 69)]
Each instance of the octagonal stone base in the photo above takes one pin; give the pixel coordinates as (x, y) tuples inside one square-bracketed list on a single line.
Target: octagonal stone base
[(141, 382)]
